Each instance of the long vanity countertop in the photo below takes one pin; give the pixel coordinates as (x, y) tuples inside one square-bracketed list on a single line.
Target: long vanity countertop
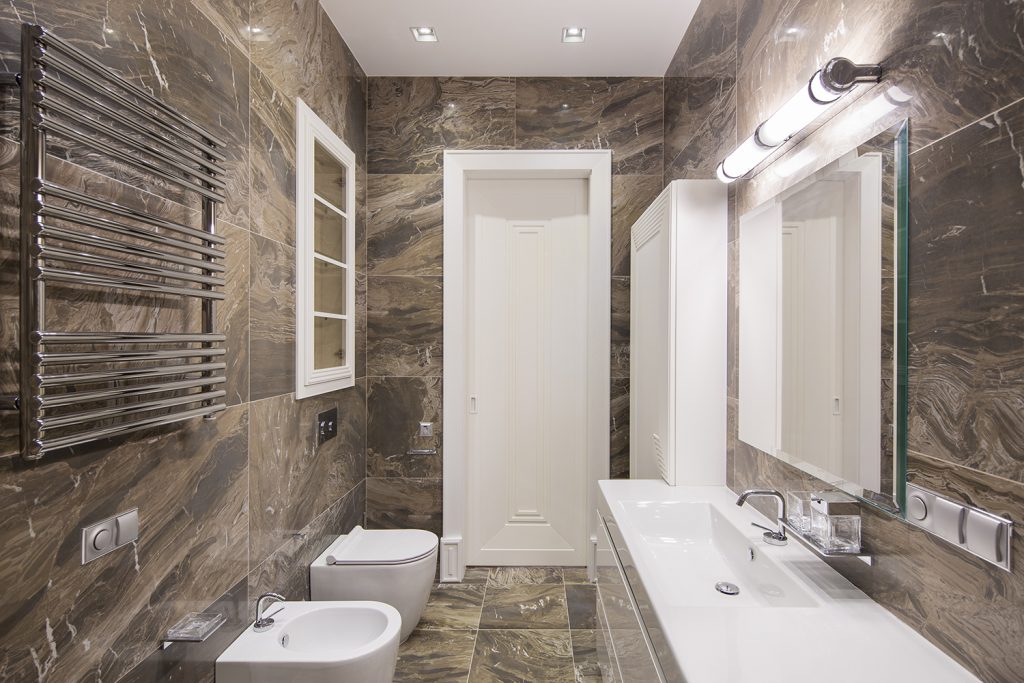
[(815, 624)]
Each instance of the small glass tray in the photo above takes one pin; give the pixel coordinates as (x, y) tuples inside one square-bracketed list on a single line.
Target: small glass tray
[(195, 627)]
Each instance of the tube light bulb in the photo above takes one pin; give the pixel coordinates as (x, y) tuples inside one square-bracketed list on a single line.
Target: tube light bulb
[(796, 114), (743, 159)]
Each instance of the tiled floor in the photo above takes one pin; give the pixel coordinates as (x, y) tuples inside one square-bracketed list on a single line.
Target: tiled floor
[(506, 624)]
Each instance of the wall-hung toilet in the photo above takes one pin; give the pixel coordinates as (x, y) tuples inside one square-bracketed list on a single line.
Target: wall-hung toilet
[(394, 566)]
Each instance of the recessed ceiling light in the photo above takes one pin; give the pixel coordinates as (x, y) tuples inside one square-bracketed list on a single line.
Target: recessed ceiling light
[(424, 34), (573, 34)]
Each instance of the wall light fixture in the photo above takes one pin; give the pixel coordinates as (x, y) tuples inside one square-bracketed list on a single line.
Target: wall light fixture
[(838, 77)]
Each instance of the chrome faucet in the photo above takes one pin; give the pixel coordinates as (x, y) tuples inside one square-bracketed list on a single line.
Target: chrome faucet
[(777, 537), (264, 623)]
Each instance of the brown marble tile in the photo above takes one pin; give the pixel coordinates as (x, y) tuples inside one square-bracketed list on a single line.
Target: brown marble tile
[(967, 297), (690, 103), (189, 485), (476, 575), (292, 479), (396, 406), (453, 606), (395, 503), (708, 47), (535, 656), (435, 656), (500, 577), (619, 448), (631, 195), (403, 333), (525, 606), (361, 284), (621, 114), (286, 570), (303, 55), (405, 229), (230, 17), (582, 602), (620, 327), (272, 155), (584, 656), (574, 575), (411, 121), (711, 142), (233, 313), (272, 318)]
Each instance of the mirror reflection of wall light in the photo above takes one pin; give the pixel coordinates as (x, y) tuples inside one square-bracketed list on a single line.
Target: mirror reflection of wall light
[(838, 77)]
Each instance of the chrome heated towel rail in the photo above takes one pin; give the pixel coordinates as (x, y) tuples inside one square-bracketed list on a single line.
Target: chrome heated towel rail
[(80, 386)]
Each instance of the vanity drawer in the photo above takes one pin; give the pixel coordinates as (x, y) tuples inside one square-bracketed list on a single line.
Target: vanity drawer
[(629, 653)]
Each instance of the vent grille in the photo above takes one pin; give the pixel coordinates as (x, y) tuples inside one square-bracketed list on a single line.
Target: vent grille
[(659, 458), (649, 224)]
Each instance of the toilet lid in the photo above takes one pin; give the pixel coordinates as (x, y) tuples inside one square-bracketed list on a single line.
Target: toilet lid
[(382, 546)]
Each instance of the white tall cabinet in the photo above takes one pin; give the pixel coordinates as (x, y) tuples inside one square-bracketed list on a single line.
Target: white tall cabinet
[(678, 322)]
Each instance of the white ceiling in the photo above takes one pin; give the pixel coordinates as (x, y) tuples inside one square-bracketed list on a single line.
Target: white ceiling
[(512, 37)]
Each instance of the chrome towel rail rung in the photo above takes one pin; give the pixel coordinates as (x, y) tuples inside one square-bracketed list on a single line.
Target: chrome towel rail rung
[(207, 158), (38, 447), (126, 338), (48, 189), (73, 419), (84, 239), (123, 356), (89, 259), (46, 123), (61, 275), (173, 157), (45, 381), (80, 397), (44, 37), (81, 386)]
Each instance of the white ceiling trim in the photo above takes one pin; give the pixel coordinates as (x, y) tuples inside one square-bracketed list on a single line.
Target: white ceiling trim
[(514, 37)]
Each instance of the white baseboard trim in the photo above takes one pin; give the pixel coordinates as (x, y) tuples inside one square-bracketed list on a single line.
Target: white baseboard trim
[(452, 566)]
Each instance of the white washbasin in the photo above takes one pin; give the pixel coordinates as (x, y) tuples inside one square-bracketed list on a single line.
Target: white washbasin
[(694, 547), (317, 642)]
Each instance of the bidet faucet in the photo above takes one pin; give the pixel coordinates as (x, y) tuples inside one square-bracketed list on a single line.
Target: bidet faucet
[(777, 537), (264, 623)]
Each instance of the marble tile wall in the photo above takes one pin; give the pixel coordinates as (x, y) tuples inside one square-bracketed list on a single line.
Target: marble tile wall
[(410, 123), (228, 508), (959, 66)]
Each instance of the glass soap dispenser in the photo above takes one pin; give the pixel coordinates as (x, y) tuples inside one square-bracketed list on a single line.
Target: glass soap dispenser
[(835, 522)]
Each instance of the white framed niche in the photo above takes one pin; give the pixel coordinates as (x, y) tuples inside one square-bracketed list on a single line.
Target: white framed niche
[(325, 211)]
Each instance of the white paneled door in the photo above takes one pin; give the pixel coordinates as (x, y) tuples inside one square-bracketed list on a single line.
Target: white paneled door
[(527, 371)]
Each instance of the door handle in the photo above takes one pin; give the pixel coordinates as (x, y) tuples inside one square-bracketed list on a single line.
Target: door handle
[(472, 404)]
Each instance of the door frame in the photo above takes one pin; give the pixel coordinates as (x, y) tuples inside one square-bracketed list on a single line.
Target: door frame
[(459, 167)]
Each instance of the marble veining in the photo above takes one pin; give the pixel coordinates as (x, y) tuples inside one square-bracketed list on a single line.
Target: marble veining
[(411, 121), (404, 326), (967, 297), (624, 115), (405, 228)]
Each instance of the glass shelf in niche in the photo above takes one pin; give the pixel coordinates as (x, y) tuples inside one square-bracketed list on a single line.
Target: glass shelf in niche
[(329, 180), (329, 231), (329, 283), (329, 334)]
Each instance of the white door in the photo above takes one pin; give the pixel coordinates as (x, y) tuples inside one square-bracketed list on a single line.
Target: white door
[(527, 370)]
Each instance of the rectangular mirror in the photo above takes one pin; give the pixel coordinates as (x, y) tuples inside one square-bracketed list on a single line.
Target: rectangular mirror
[(822, 322)]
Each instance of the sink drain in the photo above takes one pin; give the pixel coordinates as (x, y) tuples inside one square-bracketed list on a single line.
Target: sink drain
[(727, 588)]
